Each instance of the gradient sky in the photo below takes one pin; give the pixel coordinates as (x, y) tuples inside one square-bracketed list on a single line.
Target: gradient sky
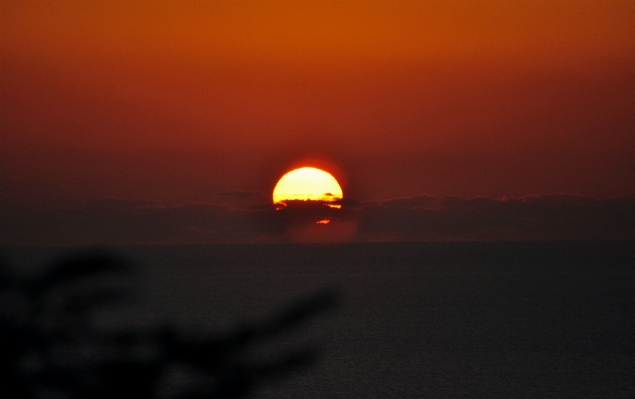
[(172, 103)]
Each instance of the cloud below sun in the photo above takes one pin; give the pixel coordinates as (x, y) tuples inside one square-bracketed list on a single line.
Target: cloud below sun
[(418, 218)]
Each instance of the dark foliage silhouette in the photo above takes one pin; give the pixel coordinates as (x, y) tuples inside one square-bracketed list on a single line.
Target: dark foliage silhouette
[(50, 348)]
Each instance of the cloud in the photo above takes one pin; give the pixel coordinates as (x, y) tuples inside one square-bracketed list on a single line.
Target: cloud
[(540, 217), (119, 222)]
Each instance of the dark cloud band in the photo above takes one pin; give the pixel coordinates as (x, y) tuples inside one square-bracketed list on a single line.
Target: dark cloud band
[(420, 218)]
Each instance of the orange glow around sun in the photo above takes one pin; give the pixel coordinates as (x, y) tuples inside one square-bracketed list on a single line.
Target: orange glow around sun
[(307, 184)]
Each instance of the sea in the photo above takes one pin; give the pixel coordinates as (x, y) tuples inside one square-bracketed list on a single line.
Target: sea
[(391, 320)]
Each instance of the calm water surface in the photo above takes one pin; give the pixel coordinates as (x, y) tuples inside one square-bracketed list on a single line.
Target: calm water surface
[(434, 320)]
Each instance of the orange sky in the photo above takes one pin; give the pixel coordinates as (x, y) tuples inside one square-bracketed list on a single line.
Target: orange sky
[(176, 102)]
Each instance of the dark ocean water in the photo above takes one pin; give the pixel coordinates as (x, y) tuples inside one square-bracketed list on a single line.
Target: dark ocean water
[(432, 320)]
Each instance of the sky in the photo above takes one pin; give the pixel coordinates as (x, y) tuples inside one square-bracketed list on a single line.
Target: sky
[(171, 122)]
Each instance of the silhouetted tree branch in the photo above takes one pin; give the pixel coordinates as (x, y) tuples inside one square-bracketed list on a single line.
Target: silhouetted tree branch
[(50, 349)]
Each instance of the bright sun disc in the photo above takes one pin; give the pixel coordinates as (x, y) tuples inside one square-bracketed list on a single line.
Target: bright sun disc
[(307, 184)]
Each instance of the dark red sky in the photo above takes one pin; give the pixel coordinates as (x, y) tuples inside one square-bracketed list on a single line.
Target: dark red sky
[(174, 103)]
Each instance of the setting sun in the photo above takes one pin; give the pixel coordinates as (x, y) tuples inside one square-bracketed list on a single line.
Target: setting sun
[(307, 184)]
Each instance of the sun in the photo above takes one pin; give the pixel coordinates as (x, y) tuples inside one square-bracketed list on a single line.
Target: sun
[(307, 184)]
